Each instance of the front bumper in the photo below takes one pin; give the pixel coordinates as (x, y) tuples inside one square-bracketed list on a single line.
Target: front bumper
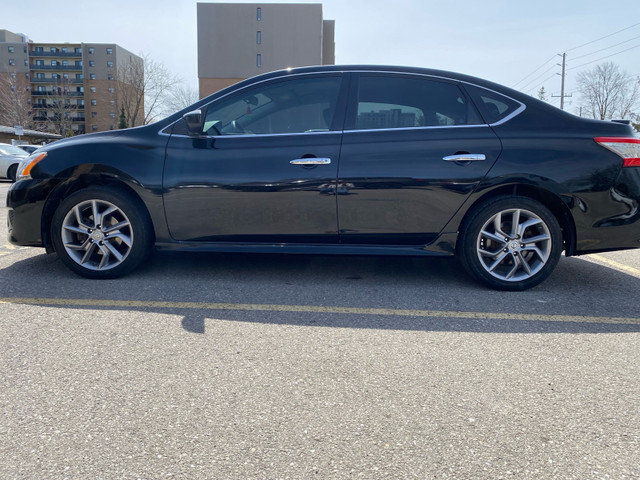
[(26, 200)]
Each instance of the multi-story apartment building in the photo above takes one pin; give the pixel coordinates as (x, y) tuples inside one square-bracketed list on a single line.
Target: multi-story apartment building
[(71, 87), (238, 41)]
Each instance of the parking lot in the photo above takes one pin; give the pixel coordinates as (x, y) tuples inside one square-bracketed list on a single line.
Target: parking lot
[(218, 366)]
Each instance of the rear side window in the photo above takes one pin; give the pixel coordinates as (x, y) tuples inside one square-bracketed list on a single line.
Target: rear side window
[(493, 106), (388, 102)]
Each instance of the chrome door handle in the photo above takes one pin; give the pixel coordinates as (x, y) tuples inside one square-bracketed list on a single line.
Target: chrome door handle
[(465, 157), (311, 161)]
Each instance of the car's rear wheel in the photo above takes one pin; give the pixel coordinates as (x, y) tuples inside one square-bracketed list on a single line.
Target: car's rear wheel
[(511, 243), (11, 172), (100, 232)]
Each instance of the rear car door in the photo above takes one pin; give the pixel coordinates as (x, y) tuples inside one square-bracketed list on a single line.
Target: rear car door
[(414, 148)]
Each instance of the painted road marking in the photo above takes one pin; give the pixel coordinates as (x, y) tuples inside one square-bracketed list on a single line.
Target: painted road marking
[(604, 261), (78, 302)]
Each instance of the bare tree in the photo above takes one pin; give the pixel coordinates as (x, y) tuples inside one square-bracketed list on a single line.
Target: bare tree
[(141, 86), (606, 92), (179, 97), (60, 112), (15, 101)]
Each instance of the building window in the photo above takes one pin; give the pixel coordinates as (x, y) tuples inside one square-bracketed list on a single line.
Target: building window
[(93, 102), (39, 49), (109, 64), (78, 49), (91, 49), (259, 15), (259, 60), (54, 63), (112, 115), (92, 89), (259, 37), (12, 61), (39, 63), (64, 49), (110, 77), (26, 63), (112, 90), (26, 75), (109, 51), (92, 63), (12, 74), (94, 127), (112, 102), (65, 75), (78, 63), (65, 63), (94, 114), (92, 76), (53, 50), (10, 49), (79, 76)]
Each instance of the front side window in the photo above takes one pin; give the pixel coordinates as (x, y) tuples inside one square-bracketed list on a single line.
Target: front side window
[(302, 105), (388, 102)]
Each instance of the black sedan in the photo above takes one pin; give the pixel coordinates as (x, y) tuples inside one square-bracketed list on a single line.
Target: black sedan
[(341, 160)]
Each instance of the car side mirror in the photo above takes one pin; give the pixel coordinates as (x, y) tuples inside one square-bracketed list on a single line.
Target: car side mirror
[(194, 122)]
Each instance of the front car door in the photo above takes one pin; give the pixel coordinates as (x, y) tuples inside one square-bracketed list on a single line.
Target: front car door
[(414, 148), (261, 171)]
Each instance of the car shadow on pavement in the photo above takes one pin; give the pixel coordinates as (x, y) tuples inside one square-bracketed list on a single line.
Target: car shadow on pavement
[(395, 293)]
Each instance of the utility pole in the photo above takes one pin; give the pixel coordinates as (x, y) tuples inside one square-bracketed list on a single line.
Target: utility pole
[(562, 95)]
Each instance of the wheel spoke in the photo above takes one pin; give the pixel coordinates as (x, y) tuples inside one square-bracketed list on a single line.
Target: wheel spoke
[(117, 226), (498, 261), (79, 221), (88, 253), (493, 236), (515, 223)]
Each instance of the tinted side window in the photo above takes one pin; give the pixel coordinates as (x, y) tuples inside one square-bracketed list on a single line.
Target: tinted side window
[(401, 102), (493, 106), (290, 106)]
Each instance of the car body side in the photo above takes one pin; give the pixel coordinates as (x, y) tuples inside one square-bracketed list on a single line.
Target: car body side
[(541, 147)]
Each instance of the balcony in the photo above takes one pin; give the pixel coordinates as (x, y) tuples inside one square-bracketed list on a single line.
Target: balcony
[(57, 81), (49, 92), (33, 66), (34, 53)]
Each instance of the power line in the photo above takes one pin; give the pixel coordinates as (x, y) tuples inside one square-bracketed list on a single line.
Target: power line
[(534, 71), (602, 38), (604, 58), (542, 83), (607, 48), (542, 74)]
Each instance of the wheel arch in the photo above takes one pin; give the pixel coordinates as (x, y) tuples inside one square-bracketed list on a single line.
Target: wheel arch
[(550, 200), (74, 184)]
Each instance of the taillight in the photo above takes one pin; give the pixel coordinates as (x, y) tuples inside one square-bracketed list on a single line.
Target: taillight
[(628, 148)]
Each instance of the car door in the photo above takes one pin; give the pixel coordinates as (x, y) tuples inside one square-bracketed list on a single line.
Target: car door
[(414, 148), (260, 171)]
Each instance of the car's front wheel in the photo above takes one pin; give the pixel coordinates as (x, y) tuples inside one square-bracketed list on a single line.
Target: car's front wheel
[(511, 243), (100, 232)]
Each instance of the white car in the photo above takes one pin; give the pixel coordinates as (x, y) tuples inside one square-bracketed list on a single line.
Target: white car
[(28, 148), (10, 157)]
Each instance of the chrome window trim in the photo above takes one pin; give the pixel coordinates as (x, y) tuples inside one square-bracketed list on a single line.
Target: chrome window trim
[(513, 114)]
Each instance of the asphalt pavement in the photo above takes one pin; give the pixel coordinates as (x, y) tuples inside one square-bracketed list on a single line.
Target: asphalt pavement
[(212, 366)]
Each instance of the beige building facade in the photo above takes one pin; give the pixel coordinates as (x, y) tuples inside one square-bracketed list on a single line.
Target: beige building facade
[(238, 41), (72, 87)]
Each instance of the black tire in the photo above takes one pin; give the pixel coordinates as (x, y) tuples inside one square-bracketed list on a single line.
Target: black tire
[(505, 257), (101, 232), (12, 171)]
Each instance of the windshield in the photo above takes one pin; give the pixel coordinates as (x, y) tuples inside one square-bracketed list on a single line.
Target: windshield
[(11, 150)]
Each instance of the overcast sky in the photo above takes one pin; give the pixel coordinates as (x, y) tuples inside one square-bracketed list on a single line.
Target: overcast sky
[(501, 40)]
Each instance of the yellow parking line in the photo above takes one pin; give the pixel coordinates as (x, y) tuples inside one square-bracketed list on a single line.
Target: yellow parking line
[(599, 259), (77, 302)]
